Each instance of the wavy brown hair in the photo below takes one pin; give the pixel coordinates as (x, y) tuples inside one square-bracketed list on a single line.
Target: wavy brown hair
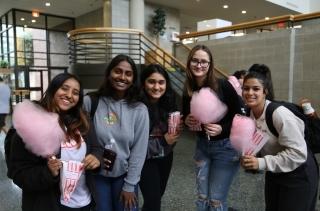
[(74, 119), (210, 81)]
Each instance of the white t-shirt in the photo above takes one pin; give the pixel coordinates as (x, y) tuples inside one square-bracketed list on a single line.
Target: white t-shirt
[(81, 196)]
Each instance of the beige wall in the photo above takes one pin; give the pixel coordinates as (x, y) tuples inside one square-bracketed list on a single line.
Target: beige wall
[(273, 49)]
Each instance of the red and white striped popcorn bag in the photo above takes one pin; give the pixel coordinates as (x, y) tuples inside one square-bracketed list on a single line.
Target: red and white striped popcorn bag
[(69, 177), (174, 122)]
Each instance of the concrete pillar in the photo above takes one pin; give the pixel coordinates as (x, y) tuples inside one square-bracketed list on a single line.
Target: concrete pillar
[(136, 17), (107, 12)]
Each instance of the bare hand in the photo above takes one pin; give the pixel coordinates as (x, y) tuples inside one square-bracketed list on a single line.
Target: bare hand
[(54, 166), (129, 199), (191, 122), (249, 162), (171, 138), (212, 129), (90, 162)]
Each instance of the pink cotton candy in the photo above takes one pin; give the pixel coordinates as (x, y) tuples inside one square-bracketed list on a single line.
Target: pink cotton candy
[(39, 129), (206, 107), (241, 134), (236, 84)]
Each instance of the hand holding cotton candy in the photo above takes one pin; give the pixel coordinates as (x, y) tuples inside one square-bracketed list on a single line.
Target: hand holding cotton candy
[(39, 129), (241, 134), (206, 107)]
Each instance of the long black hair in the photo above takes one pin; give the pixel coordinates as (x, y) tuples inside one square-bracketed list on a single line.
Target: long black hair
[(74, 119), (166, 103), (106, 88), (262, 72)]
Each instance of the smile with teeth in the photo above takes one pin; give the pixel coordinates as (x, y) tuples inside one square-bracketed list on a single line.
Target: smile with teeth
[(121, 83), (65, 101)]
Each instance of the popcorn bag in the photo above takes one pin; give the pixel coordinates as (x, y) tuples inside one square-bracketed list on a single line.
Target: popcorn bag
[(69, 176), (173, 122)]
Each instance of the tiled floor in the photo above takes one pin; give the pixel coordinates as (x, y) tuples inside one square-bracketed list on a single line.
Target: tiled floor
[(246, 193)]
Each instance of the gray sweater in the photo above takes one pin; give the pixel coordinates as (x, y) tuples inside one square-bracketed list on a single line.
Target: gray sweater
[(129, 127)]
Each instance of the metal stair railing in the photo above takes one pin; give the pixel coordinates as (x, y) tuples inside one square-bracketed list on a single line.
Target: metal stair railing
[(100, 45)]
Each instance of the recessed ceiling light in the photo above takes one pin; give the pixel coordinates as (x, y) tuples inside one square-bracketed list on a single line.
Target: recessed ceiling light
[(266, 18), (33, 21), (243, 12), (25, 26), (22, 19), (225, 6), (48, 4), (35, 14)]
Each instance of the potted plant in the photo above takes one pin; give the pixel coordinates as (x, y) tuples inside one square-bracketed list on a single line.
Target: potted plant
[(158, 23), (4, 67)]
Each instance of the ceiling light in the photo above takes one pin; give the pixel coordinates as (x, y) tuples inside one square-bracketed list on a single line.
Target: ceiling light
[(35, 14), (22, 19), (243, 12), (25, 26), (187, 32), (48, 4), (225, 6), (266, 18), (33, 21)]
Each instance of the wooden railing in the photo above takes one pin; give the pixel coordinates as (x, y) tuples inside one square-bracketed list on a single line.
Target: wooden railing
[(289, 19)]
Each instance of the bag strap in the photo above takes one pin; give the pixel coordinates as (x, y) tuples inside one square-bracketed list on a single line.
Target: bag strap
[(94, 104), (269, 112)]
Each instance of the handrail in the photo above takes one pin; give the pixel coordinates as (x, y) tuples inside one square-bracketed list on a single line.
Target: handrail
[(252, 24), (304, 17), (102, 30), (165, 52)]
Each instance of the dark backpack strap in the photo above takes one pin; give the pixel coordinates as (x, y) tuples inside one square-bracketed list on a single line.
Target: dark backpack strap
[(94, 104), (269, 112)]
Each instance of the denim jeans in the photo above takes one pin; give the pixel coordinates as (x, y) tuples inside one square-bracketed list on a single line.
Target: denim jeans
[(216, 165), (108, 191)]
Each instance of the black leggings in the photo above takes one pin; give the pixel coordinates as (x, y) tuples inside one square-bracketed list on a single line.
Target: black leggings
[(294, 191), (154, 177)]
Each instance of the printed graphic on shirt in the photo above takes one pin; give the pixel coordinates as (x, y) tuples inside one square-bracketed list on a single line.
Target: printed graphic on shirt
[(70, 144), (111, 118)]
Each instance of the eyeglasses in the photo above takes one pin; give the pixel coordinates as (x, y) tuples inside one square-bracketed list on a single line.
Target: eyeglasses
[(203, 63)]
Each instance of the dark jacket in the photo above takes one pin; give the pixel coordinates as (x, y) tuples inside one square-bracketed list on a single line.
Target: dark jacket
[(40, 190)]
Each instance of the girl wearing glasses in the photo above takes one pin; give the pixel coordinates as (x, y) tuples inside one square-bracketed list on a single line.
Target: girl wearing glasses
[(216, 161)]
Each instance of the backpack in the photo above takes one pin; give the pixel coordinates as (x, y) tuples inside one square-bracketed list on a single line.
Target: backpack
[(11, 135), (312, 125), (94, 103)]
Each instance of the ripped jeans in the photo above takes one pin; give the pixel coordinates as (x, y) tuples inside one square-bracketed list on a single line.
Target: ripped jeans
[(216, 165)]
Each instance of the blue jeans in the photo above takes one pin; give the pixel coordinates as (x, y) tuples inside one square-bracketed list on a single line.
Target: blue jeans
[(108, 191), (216, 165)]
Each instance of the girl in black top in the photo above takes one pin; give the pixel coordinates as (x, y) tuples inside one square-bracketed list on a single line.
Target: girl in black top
[(157, 94)]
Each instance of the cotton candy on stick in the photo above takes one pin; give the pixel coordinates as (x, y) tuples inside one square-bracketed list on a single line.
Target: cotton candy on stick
[(242, 133), (236, 84), (39, 129), (206, 107)]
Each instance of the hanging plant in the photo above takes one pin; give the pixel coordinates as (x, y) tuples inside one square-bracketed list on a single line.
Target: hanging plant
[(159, 22)]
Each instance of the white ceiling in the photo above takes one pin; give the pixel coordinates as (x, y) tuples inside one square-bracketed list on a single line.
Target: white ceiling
[(191, 11)]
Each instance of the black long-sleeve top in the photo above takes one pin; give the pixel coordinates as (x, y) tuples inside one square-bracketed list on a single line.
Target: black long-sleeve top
[(228, 96)]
